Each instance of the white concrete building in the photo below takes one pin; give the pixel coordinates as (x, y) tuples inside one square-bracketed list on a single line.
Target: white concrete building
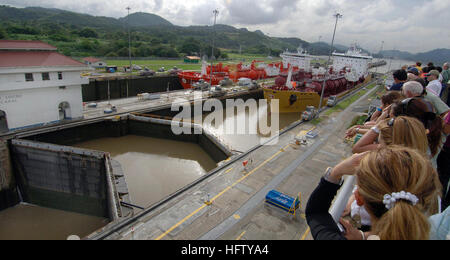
[(38, 86), (94, 62)]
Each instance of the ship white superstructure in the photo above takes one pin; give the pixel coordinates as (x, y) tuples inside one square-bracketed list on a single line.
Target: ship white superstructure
[(354, 62), (299, 59)]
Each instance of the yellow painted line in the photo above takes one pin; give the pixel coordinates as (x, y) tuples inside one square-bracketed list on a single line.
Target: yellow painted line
[(306, 233), (181, 222), (241, 235), (304, 132), (220, 194), (229, 170)]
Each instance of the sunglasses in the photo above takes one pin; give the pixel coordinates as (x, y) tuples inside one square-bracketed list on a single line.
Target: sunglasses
[(391, 122), (405, 104)]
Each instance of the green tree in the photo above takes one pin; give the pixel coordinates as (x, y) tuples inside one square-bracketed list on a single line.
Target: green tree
[(144, 51), (164, 51), (88, 33), (190, 46), (208, 51), (3, 34), (86, 45), (59, 37)]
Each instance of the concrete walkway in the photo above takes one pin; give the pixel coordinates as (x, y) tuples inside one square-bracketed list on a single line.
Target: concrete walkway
[(236, 208)]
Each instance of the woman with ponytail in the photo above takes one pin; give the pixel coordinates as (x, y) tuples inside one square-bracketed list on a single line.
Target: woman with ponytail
[(398, 187), (425, 112)]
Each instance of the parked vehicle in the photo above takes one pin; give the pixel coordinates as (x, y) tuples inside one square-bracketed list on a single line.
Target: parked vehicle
[(217, 91), (310, 113), (332, 101), (201, 85), (226, 82), (254, 85), (147, 72)]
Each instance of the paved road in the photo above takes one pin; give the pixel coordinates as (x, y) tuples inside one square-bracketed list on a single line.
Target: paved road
[(236, 195)]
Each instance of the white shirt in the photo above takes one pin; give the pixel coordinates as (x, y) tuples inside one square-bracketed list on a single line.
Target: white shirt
[(435, 87)]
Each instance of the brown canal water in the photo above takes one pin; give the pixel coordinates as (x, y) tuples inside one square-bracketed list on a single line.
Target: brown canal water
[(29, 222), (252, 136), (154, 168)]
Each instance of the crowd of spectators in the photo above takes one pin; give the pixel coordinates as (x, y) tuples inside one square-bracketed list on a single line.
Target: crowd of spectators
[(401, 163)]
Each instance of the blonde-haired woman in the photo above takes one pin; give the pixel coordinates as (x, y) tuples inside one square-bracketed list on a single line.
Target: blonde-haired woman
[(402, 130), (405, 131), (398, 187)]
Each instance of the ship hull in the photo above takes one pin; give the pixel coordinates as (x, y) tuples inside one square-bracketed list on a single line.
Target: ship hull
[(294, 101), (302, 100)]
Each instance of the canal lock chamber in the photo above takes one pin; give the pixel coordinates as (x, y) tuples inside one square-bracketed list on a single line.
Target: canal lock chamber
[(60, 169), (50, 170)]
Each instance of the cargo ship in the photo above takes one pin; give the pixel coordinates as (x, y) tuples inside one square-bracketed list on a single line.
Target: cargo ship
[(254, 71), (302, 85)]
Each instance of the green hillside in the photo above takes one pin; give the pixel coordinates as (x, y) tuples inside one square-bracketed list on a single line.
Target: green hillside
[(85, 35), (82, 35), (145, 19)]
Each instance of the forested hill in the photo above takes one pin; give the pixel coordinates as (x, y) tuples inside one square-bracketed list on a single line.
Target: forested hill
[(80, 35), (438, 56)]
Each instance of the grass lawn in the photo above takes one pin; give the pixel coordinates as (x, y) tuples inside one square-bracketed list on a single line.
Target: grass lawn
[(156, 64), (179, 63)]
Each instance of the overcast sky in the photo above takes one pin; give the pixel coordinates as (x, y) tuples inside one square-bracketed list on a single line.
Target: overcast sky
[(407, 25)]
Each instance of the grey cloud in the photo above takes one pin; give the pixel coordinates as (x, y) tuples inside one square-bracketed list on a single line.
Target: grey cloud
[(422, 22), (249, 12)]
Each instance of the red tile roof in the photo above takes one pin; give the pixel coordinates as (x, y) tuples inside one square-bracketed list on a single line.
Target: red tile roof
[(35, 59), (25, 45), (91, 59)]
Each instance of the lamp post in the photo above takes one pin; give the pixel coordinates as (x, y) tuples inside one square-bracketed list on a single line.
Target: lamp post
[(318, 44), (338, 16), (215, 12), (129, 48), (381, 49)]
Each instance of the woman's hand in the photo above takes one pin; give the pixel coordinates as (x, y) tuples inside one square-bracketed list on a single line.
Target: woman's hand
[(351, 233), (352, 131), (346, 167)]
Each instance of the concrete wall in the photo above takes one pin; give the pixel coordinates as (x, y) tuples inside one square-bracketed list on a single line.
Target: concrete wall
[(8, 191), (97, 89), (133, 125), (38, 106), (143, 127), (14, 79), (60, 177)]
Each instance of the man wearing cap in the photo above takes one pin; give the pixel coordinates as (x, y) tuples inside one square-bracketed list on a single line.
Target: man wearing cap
[(445, 76), (445, 81), (434, 86), (445, 73), (414, 71)]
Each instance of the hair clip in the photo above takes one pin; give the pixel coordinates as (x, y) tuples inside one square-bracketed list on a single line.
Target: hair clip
[(390, 200)]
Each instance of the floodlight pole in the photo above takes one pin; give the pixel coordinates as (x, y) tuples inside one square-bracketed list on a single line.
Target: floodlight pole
[(382, 44), (215, 12), (338, 16), (129, 47)]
